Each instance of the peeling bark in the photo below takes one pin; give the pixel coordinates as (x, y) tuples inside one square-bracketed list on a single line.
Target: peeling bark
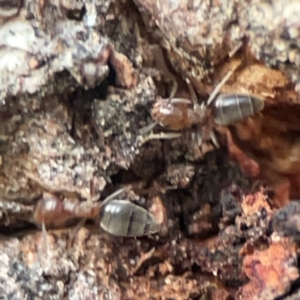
[(78, 82)]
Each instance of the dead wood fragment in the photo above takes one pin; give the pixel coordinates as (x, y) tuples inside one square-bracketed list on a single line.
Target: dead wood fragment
[(271, 271)]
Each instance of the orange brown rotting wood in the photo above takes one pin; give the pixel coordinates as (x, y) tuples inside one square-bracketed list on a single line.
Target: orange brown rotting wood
[(271, 271)]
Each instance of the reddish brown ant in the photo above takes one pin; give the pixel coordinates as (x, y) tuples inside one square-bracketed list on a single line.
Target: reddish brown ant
[(117, 217), (225, 109)]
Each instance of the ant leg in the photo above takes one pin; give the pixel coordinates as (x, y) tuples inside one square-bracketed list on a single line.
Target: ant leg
[(180, 100), (43, 248), (142, 132), (74, 232), (148, 128), (199, 136), (214, 139), (207, 130), (173, 91), (192, 91), (44, 232), (194, 98), (235, 49), (158, 136), (218, 87)]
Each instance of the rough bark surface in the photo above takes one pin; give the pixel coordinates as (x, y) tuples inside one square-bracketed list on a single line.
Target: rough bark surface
[(78, 81)]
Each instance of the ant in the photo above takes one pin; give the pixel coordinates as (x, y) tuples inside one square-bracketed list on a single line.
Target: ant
[(117, 217), (177, 114)]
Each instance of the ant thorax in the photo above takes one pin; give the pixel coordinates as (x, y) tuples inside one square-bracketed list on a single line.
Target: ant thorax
[(177, 114)]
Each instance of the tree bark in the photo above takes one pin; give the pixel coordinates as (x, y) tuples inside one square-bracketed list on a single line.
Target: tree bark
[(78, 82)]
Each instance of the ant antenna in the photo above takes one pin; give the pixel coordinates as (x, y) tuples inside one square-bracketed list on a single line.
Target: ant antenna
[(192, 92), (218, 87), (173, 91)]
